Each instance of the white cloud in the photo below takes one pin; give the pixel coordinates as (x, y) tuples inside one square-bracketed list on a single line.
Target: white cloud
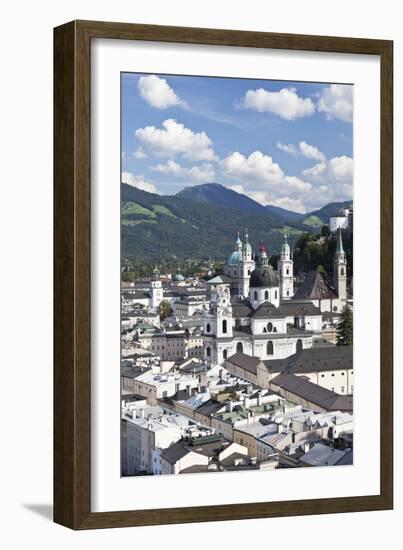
[(337, 102), (341, 168), (335, 170), (310, 151), (204, 173), (157, 92), (170, 167), (288, 148), (285, 103), (138, 181), (237, 188), (332, 180), (288, 203), (139, 153), (175, 139), (317, 172), (257, 166), (262, 179)]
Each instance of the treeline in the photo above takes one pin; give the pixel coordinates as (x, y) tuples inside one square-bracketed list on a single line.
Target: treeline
[(316, 252)]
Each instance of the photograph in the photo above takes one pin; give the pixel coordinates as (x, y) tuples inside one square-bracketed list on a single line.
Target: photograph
[(236, 274)]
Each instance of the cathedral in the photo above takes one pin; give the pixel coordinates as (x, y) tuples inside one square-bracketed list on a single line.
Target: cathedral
[(254, 309)]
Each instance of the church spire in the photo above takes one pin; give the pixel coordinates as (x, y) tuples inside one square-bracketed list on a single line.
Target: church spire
[(339, 246)]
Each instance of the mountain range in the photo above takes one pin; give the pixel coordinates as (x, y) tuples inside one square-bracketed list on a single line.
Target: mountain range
[(202, 221)]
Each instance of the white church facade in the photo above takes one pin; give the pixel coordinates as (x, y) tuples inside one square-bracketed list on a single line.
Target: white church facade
[(254, 309)]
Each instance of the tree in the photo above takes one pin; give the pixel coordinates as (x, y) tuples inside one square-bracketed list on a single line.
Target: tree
[(345, 327), (325, 231), (164, 309), (320, 269)]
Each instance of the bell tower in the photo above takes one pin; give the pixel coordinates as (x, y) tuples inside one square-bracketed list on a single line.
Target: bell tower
[(157, 293), (285, 271), (340, 269)]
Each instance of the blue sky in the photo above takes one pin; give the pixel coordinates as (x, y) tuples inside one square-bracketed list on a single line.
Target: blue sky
[(282, 143)]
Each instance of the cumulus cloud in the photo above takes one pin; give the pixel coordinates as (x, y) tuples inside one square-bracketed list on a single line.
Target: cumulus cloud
[(138, 181), (203, 173), (285, 103), (175, 139), (310, 151), (304, 148), (337, 169), (257, 166), (288, 148), (157, 92), (170, 167), (262, 179), (332, 180), (288, 203), (337, 102)]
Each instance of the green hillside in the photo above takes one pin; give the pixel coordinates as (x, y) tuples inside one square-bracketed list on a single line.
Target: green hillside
[(157, 227)]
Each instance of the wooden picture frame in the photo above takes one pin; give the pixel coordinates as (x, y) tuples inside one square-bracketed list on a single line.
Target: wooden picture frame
[(72, 271)]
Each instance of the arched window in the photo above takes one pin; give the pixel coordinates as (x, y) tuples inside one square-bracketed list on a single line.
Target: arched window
[(248, 271), (275, 294), (299, 345), (288, 292), (224, 354), (342, 272), (255, 295), (208, 351), (266, 295), (270, 349), (239, 347), (288, 271), (269, 327), (208, 328), (224, 326)]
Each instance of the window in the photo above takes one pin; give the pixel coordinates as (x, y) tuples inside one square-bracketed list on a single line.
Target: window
[(224, 354), (275, 294), (288, 271), (288, 292), (342, 389), (299, 345), (266, 295), (208, 328), (224, 326), (255, 295), (208, 351), (269, 327), (239, 347), (248, 271), (342, 272), (335, 308), (270, 349)]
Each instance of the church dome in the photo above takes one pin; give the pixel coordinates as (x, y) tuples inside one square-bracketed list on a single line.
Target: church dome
[(234, 258), (263, 276)]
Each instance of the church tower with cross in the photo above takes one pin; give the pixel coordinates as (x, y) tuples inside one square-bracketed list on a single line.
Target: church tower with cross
[(285, 271)]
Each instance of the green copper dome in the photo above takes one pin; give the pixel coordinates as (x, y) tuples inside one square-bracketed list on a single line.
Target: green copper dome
[(234, 258)]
